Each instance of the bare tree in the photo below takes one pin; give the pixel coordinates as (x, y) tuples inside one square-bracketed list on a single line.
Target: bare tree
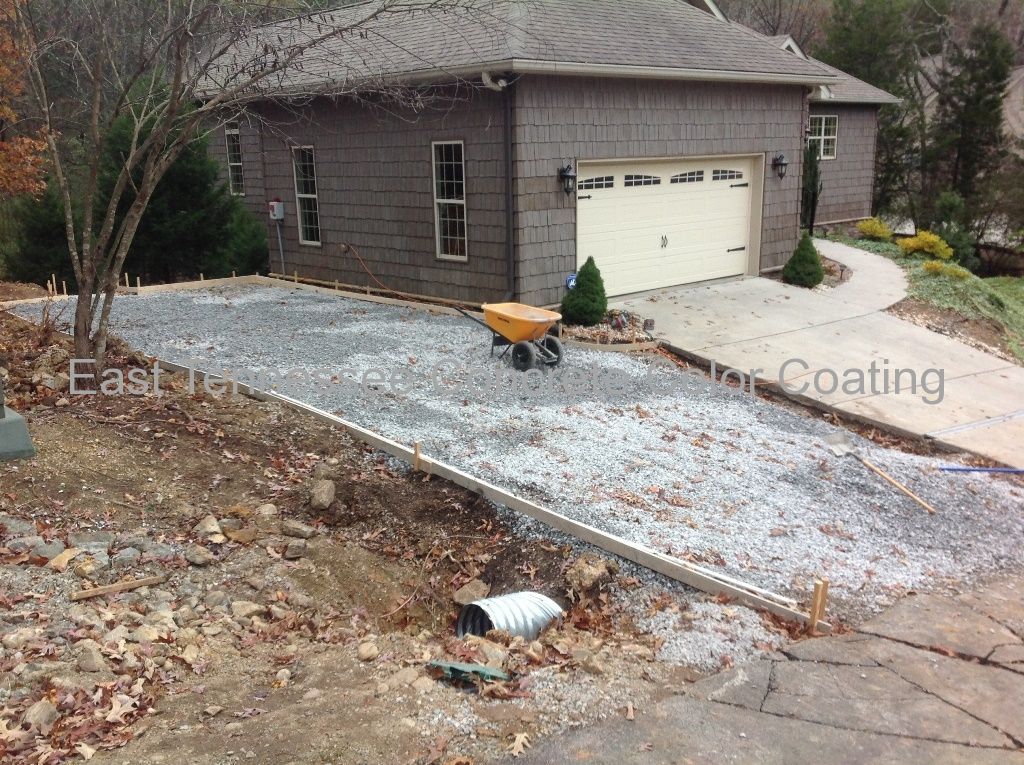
[(173, 68), (801, 19)]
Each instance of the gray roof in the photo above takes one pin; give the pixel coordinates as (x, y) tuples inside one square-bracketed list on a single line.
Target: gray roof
[(640, 38), (849, 90)]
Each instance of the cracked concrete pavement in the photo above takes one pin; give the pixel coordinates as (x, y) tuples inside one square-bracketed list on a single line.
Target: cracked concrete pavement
[(933, 679)]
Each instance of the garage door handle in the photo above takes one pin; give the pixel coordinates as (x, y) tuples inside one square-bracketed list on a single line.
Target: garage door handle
[(737, 249), (588, 196), (739, 185)]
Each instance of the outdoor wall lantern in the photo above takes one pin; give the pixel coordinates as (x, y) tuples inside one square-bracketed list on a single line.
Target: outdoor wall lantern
[(567, 175), (779, 165)]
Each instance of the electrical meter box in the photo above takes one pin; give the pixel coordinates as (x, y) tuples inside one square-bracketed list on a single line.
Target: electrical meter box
[(276, 209)]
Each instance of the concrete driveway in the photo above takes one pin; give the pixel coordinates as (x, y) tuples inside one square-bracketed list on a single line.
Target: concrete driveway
[(821, 346)]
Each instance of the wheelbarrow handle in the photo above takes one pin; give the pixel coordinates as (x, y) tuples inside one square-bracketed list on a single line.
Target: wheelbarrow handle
[(471, 317)]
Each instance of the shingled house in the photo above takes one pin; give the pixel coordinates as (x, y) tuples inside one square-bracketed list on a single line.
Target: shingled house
[(653, 135)]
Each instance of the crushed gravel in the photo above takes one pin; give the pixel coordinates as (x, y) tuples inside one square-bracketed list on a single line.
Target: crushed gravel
[(630, 444)]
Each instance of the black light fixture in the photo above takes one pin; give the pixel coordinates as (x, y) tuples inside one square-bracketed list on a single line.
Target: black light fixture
[(567, 175), (779, 165)]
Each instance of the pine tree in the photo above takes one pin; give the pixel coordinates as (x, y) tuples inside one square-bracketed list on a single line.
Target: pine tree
[(812, 186), (804, 268), (586, 303), (966, 139)]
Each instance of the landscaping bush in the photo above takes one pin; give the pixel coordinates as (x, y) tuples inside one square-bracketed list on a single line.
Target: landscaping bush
[(586, 304), (941, 268), (927, 243), (963, 243), (804, 268), (875, 229)]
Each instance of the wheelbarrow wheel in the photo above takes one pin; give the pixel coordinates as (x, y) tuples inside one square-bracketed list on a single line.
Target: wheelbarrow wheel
[(524, 356), (553, 346)]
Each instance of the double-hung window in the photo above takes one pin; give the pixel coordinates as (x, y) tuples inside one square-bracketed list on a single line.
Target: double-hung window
[(824, 134), (306, 202), (233, 143), (450, 200)]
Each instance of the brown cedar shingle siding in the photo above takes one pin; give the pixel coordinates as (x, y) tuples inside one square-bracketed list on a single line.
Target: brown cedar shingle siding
[(252, 164), (561, 118), (847, 179), (374, 186)]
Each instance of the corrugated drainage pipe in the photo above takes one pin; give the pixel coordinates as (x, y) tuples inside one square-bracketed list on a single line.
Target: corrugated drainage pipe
[(521, 613)]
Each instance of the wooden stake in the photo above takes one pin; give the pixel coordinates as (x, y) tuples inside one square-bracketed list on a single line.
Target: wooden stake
[(53, 279), (126, 282), (818, 603), (64, 284), (138, 283), (897, 484), (335, 285), (233, 275), (128, 584), (416, 456), (202, 278), (296, 277)]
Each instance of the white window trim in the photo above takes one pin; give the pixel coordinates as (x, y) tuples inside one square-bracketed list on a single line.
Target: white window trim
[(820, 138), (437, 213), (234, 131), (298, 196)]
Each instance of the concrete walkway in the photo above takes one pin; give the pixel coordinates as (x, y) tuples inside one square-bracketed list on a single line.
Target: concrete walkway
[(822, 345), (934, 679)]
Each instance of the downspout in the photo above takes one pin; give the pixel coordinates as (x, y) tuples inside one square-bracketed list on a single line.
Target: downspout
[(508, 96)]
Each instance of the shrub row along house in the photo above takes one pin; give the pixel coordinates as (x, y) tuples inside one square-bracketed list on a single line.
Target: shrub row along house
[(505, 142)]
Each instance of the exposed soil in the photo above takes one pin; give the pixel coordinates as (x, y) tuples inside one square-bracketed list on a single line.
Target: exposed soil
[(982, 334), (247, 651), (20, 291)]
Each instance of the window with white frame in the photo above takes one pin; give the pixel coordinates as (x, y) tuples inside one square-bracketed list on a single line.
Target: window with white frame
[(233, 141), (824, 134), (306, 202), (450, 199)]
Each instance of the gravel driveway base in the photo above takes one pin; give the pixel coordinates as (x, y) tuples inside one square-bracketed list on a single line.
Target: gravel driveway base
[(629, 444)]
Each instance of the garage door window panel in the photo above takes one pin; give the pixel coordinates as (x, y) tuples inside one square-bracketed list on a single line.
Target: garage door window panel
[(600, 182), (695, 176), (636, 179), (726, 175)]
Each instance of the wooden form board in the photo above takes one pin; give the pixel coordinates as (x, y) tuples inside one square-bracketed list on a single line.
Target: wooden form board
[(695, 576)]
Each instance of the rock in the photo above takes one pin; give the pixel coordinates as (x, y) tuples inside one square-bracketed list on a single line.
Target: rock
[(266, 511), (233, 728), (159, 550), (90, 658), (244, 536), (62, 402), (472, 590), (146, 633), (213, 710), (230, 524), (41, 715), (48, 550), (20, 637), (116, 635), (91, 564), (277, 613), (244, 609), (198, 555), (125, 558), (301, 600), (367, 651), (312, 694), (190, 654), (215, 598), (423, 684), (406, 676), (185, 615), (283, 676), (589, 662), (25, 544), (321, 495), (59, 382), (91, 541), (207, 527), (296, 549), (382, 689), (494, 655), (590, 572), (293, 528), (84, 616), (324, 471), (16, 527)]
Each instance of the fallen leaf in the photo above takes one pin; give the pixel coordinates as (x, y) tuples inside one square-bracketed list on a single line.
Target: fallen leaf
[(85, 750), (520, 745), (60, 562)]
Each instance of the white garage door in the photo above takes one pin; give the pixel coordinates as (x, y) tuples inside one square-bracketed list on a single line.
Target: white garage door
[(662, 223)]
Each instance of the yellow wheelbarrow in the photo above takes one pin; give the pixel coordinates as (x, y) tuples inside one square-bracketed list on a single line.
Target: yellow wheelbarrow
[(523, 330)]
